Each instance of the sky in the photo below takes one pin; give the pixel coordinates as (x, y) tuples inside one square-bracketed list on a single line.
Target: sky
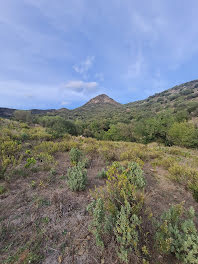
[(56, 54)]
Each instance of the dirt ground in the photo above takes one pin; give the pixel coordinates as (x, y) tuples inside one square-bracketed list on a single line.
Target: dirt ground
[(51, 222)]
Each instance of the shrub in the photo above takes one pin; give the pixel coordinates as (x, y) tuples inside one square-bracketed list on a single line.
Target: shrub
[(86, 163), (126, 231), (53, 171), (75, 155), (102, 174), (77, 177), (135, 175), (2, 189), (96, 208), (183, 134), (47, 146), (194, 189), (117, 209), (177, 234), (29, 162)]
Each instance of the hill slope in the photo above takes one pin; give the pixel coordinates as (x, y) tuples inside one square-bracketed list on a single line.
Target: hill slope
[(179, 98)]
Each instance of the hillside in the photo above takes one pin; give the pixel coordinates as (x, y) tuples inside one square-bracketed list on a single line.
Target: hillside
[(179, 98), (182, 97), (101, 106), (160, 118), (74, 200)]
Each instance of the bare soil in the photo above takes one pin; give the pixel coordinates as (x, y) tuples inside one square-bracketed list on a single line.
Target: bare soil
[(54, 221)]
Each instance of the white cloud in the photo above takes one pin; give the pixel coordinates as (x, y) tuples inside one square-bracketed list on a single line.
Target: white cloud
[(80, 86), (84, 66), (24, 95), (65, 103)]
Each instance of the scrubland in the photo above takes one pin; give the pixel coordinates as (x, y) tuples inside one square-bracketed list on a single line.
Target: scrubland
[(81, 200)]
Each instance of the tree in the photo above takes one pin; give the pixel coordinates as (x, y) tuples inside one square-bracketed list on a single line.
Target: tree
[(22, 115), (183, 134)]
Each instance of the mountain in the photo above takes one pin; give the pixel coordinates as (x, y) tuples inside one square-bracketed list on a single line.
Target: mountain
[(182, 97), (101, 105), (102, 99)]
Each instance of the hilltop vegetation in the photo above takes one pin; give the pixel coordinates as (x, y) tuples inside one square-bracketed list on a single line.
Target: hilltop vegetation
[(139, 210)]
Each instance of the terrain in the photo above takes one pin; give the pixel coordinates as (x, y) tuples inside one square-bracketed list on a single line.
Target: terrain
[(42, 220), (180, 97), (103, 183)]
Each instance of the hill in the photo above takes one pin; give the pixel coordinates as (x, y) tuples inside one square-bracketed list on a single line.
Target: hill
[(160, 118), (102, 100), (182, 97)]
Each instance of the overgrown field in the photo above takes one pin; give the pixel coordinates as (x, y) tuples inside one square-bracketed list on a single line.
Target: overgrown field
[(79, 200)]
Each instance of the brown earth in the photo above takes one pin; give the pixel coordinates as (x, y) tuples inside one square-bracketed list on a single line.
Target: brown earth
[(55, 221)]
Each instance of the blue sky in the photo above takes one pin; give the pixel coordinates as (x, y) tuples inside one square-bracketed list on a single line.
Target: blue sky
[(61, 53)]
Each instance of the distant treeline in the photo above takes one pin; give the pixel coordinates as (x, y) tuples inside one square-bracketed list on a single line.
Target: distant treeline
[(167, 128)]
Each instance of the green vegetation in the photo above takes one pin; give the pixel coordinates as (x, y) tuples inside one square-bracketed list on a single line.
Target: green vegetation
[(102, 174), (126, 211), (75, 155), (117, 210), (77, 177), (2, 189), (177, 234), (160, 118)]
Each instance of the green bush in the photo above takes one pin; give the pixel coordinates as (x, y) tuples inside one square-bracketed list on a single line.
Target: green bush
[(183, 134), (177, 234), (117, 210), (29, 162), (102, 174), (135, 175), (75, 155), (194, 189), (96, 208), (77, 177), (58, 126), (126, 231)]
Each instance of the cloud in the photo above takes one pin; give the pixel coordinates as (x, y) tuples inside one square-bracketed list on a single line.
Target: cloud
[(81, 86), (24, 95), (84, 66), (65, 103)]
